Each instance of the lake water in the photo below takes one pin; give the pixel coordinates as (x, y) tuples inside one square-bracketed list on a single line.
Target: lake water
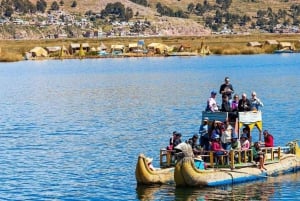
[(73, 129)]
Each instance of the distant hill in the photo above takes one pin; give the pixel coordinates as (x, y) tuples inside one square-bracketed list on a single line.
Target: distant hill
[(242, 8), (164, 17)]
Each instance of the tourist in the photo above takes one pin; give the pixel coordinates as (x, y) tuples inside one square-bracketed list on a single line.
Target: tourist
[(226, 88), (217, 147), (226, 106), (244, 104), (204, 137), (258, 155), (226, 136), (235, 145), (215, 129), (194, 144), (172, 140), (212, 103), (268, 139), (235, 103), (245, 145), (177, 140), (255, 102)]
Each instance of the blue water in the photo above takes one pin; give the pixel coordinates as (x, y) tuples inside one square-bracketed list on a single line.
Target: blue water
[(73, 129)]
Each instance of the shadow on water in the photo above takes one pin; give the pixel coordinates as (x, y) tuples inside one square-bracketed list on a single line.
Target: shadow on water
[(260, 190)]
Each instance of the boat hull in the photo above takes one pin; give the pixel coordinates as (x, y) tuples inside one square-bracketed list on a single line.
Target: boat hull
[(186, 174), (146, 176)]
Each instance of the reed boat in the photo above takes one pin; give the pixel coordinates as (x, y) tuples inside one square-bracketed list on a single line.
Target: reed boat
[(233, 169), (144, 175), (186, 173)]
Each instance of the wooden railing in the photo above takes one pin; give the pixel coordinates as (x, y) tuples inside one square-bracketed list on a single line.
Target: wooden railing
[(233, 159)]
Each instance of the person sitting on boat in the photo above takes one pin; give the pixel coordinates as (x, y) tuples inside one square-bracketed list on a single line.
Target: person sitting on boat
[(235, 145), (217, 148), (244, 104), (215, 129), (258, 155), (255, 102), (245, 145), (212, 105), (226, 136), (172, 140), (177, 140), (226, 88), (204, 136), (194, 143), (268, 139)]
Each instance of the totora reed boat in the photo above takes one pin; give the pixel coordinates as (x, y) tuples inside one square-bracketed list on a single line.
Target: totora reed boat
[(186, 173), (207, 170), (145, 175)]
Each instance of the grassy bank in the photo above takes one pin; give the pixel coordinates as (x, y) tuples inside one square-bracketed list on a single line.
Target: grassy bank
[(14, 50)]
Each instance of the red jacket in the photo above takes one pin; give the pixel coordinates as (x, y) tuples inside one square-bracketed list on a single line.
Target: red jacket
[(269, 141)]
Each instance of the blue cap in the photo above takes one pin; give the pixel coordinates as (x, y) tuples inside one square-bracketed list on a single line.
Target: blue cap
[(215, 136), (213, 92)]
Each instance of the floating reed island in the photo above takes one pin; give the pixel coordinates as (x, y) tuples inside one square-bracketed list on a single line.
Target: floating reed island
[(17, 50)]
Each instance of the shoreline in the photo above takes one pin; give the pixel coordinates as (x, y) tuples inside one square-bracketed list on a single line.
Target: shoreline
[(14, 50)]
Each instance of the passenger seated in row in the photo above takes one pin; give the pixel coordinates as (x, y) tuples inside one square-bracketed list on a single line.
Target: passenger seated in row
[(174, 140), (258, 155), (245, 145), (268, 139), (235, 145), (194, 144), (217, 148), (226, 136)]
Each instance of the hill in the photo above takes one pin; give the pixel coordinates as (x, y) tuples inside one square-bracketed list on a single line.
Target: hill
[(159, 17)]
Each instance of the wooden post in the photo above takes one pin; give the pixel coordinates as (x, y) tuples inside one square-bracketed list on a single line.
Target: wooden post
[(211, 158), (231, 153)]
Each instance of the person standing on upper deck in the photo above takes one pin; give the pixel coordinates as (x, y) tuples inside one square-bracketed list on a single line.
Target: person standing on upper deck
[(212, 105), (244, 104), (255, 102), (226, 88)]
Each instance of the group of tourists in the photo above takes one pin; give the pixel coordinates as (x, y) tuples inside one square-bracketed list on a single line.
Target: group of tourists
[(235, 104), (221, 137)]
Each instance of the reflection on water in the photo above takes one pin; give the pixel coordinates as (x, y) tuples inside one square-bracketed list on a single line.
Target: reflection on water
[(261, 190)]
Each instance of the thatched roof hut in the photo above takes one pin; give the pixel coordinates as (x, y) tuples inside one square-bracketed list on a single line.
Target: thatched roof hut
[(254, 44), (38, 52), (271, 42)]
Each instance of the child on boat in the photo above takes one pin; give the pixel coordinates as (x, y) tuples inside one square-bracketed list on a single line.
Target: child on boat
[(258, 155)]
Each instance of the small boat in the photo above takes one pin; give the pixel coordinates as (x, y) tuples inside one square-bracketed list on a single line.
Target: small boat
[(283, 51), (144, 175)]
